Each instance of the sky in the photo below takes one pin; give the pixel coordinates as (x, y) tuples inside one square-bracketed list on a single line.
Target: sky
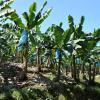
[(62, 8)]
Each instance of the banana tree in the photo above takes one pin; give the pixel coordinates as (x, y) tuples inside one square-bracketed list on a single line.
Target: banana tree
[(48, 44), (3, 46), (7, 44), (72, 46), (74, 42), (37, 39), (60, 38), (94, 55), (13, 32), (5, 11), (91, 51), (90, 42), (32, 19), (55, 35), (65, 40), (91, 59)]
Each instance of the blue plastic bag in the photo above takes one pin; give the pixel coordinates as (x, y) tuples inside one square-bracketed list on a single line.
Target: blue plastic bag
[(78, 61), (23, 40), (98, 63), (58, 53)]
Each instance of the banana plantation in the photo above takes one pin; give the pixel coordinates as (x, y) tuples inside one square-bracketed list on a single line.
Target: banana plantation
[(58, 64)]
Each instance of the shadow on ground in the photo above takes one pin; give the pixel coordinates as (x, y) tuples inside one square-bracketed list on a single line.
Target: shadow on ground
[(10, 74), (43, 86)]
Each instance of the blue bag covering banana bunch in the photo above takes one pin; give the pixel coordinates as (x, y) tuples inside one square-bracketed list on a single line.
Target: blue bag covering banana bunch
[(98, 63), (58, 53), (23, 40), (78, 61)]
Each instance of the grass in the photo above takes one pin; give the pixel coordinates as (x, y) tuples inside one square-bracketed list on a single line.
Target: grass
[(58, 91)]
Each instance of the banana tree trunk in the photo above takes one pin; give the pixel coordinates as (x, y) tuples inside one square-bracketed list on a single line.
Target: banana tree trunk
[(66, 70), (90, 73), (59, 58), (49, 65), (25, 68), (48, 60), (26, 58), (22, 59), (78, 72), (71, 69), (38, 59), (74, 67), (59, 72), (94, 72), (83, 70)]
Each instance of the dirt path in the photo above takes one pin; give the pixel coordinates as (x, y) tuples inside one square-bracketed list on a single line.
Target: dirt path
[(10, 74)]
